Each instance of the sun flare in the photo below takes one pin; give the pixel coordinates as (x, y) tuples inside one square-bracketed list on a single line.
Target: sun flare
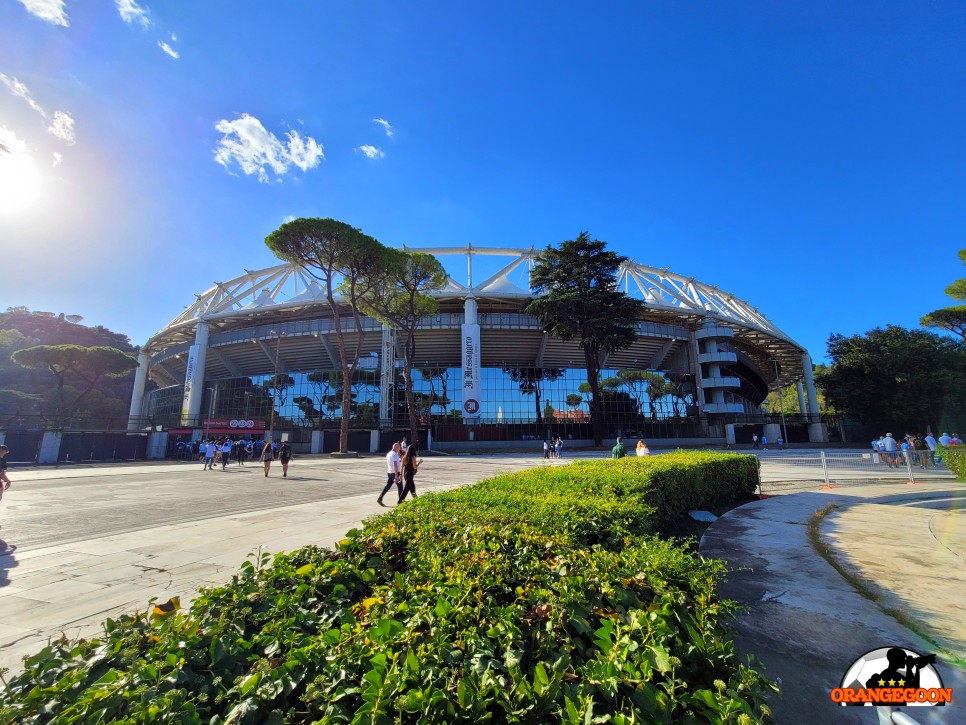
[(20, 182)]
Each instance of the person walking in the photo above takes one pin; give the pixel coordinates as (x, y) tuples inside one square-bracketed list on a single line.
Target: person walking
[(642, 449), (267, 456), (921, 448), (546, 449), (764, 443), (410, 464), (754, 441), (931, 443), (618, 451), (4, 478), (240, 452), (559, 447), (210, 449), (225, 451), (393, 473), (889, 449), (284, 456)]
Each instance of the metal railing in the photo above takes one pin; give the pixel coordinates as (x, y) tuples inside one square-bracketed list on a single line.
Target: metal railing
[(784, 470)]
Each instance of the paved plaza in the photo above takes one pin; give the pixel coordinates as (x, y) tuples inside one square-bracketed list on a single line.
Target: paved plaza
[(83, 543), (88, 542)]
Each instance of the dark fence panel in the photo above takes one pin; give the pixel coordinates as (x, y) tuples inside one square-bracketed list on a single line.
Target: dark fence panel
[(102, 447), (24, 446), (359, 441)]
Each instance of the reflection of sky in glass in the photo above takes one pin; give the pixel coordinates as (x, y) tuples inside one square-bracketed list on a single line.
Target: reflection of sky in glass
[(305, 397)]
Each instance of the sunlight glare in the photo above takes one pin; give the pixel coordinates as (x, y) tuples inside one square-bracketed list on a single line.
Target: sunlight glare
[(20, 183)]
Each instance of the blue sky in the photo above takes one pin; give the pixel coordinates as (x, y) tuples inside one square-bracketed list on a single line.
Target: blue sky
[(807, 157)]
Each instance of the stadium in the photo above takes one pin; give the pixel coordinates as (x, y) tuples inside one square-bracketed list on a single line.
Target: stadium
[(256, 355)]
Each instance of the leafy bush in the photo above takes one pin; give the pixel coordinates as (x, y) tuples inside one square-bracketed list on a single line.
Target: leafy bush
[(532, 597), (955, 458)]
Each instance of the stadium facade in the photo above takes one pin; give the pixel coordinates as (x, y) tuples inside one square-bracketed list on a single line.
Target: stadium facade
[(258, 352)]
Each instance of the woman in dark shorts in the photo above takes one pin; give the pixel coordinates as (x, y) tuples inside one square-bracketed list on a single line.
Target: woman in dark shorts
[(410, 463), (267, 456), (285, 455)]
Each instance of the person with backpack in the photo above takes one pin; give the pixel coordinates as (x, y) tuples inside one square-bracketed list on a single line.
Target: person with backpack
[(285, 455)]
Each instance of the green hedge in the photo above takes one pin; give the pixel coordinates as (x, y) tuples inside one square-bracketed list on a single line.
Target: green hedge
[(955, 458), (533, 597)]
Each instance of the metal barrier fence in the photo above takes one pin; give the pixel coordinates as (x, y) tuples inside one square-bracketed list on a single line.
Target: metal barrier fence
[(802, 469)]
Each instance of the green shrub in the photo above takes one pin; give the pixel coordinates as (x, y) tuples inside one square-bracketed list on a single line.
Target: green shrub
[(955, 458), (534, 597)]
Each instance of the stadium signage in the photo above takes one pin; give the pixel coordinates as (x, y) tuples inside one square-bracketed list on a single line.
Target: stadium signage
[(189, 378), (470, 354), (240, 424)]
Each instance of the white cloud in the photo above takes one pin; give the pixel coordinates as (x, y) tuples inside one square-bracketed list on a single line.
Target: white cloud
[(289, 218), (21, 90), (372, 152), (387, 127), (57, 158), (168, 49), (174, 38), (131, 13), (62, 125), (63, 128), (255, 150), (13, 145), (50, 10)]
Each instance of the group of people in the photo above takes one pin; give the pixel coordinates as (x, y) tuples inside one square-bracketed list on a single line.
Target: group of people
[(225, 450), (402, 462), (619, 451), (762, 443), (553, 448), (915, 448)]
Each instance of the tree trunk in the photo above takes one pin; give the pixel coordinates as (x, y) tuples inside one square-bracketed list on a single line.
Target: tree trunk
[(346, 377), (408, 378), (593, 380)]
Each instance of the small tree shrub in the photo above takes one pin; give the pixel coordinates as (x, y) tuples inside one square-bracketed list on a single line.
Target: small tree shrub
[(955, 458), (536, 597)]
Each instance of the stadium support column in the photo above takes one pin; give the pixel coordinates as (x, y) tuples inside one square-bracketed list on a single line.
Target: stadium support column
[(194, 378), (137, 397), (470, 363), (816, 429), (387, 376), (801, 398)]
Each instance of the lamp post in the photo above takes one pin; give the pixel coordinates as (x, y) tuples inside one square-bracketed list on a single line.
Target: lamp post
[(211, 412), (248, 399), (781, 400)]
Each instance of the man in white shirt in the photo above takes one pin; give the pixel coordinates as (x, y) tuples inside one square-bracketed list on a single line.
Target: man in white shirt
[(210, 448), (931, 444), (393, 472), (888, 445)]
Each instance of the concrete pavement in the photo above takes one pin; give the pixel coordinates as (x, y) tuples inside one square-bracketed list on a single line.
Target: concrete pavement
[(82, 544), (806, 623), (101, 541)]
